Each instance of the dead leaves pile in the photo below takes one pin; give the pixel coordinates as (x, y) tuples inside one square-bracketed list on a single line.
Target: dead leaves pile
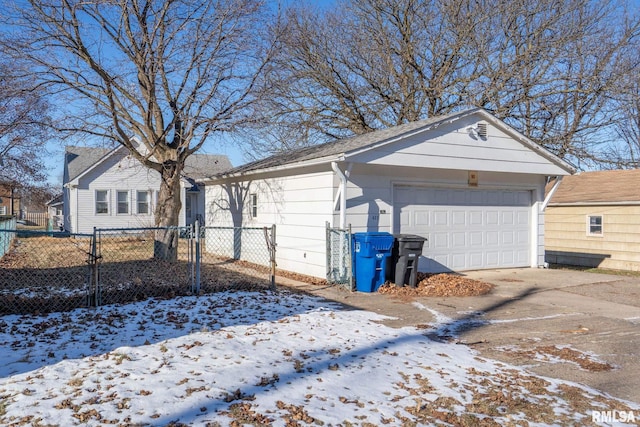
[(439, 285), (566, 354)]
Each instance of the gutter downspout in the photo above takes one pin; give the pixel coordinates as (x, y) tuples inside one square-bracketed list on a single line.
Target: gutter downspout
[(551, 193), (341, 193)]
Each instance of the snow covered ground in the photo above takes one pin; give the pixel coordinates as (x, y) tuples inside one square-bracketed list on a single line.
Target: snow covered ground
[(264, 359)]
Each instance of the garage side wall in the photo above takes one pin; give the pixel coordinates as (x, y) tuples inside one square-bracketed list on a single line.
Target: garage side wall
[(299, 205), (568, 241)]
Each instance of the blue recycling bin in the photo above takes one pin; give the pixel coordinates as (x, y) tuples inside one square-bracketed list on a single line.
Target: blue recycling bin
[(370, 253)]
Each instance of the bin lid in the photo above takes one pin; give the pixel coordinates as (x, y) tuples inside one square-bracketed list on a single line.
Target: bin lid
[(368, 235), (380, 240), (409, 238)]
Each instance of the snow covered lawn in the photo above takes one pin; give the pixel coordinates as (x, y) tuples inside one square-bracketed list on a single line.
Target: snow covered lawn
[(263, 359)]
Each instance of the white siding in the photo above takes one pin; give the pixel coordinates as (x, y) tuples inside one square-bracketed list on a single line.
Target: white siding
[(452, 147), (117, 173), (299, 205), (371, 197)]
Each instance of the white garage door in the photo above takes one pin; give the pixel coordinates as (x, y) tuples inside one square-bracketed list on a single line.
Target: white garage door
[(466, 229)]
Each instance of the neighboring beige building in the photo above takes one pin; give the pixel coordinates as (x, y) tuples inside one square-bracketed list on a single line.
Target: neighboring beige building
[(593, 220)]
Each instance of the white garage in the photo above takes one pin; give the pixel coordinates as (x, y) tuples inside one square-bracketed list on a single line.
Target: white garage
[(466, 229), (467, 182)]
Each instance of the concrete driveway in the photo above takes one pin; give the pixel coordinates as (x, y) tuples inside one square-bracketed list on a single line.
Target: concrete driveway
[(571, 325)]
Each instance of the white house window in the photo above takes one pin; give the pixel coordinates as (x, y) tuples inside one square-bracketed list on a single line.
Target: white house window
[(187, 206), (123, 202), (3, 210), (143, 202), (594, 225), (254, 205), (102, 202)]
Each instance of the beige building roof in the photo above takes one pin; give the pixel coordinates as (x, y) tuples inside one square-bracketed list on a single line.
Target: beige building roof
[(601, 187)]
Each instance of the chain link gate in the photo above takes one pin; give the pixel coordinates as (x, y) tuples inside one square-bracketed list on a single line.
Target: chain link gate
[(339, 263)]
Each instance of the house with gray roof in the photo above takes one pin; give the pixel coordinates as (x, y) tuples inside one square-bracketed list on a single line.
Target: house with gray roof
[(107, 188), (468, 183)]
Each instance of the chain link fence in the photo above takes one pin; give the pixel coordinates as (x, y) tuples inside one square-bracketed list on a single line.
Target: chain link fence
[(45, 271), (339, 263), (6, 224)]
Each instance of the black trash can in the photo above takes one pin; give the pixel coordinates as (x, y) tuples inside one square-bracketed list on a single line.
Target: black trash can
[(406, 253)]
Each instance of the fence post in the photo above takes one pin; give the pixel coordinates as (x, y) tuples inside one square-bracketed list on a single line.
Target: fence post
[(198, 258), (273, 257), (93, 296), (271, 247), (352, 279), (191, 263)]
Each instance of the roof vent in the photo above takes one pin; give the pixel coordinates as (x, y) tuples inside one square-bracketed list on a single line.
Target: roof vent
[(482, 130), (479, 131)]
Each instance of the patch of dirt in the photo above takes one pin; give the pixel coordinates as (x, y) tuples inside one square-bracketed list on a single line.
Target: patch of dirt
[(567, 354), (302, 278), (439, 285)]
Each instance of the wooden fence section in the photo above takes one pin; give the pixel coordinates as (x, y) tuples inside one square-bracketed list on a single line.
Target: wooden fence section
[(36, 218)]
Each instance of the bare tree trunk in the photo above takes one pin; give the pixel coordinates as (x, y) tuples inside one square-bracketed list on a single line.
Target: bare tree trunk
[(168, 213)]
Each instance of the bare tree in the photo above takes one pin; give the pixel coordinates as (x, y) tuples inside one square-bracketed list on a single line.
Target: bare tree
[(627, 129), (546, 67), (156, 76), (551, 70), (23, 130), (370, 64)]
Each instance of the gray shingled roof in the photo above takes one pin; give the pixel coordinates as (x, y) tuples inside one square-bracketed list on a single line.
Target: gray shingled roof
[(197, 166), (79, 159), (200, 166), (343, 146)]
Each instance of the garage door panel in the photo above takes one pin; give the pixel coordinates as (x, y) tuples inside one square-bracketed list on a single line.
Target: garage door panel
[(459, 239), (492, 259), (476, 260), (405, 219), (458, 218), (458, 261), (523, 218), (421, 218), (492, 238), (467, 229), (522, 257), (475, 217), (440, 218), (506, 237), (507, 258), (475, 238), (492, 218), (522, 237), (440, 240), (507, 218), (440, 259)]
